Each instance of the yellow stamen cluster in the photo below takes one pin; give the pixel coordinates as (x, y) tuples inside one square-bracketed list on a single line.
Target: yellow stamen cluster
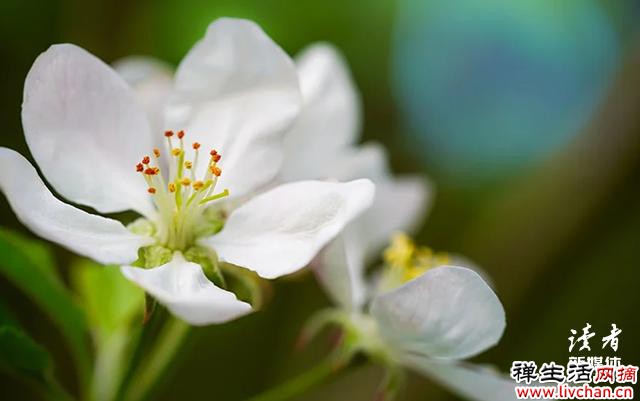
[(410, 261), (179, 196)]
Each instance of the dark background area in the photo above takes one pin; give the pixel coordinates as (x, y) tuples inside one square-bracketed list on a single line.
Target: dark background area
[(525, 115)]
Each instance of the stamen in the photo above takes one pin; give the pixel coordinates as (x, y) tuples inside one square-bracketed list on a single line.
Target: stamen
[(407, 260), (215, 197), (178, 194), (198, 185), (215, 156)]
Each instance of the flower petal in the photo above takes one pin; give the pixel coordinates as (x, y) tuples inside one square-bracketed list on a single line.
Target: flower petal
[(237, 91), (280, 231), (104, 240), (86, 130), (448, 312), (365, 161), (183, 288), (469, 381), (152, 82), (400, 205), (330, 118), (339, 268)]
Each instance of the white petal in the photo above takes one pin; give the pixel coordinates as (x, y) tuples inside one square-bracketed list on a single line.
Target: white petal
[(469, 381), (237, 91), (280, 231), (339, 268), (183, 288), (330, 118), (448, 312), (104, 240), (152, 82), (456, 259), (400, 205), (85, 130), (366, 161)]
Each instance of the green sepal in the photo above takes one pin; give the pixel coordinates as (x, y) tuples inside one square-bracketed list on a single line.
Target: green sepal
[(245, 284), (153, 256), (208, 260)]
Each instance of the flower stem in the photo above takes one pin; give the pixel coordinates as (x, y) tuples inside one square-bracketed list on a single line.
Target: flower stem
[(108, 368), (299, 384), (161, 355)]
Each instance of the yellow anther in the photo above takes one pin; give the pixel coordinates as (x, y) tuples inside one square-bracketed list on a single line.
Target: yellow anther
[(176, 151), (412, 273), (198, 185), (171, 187), (400, 252), (156, 152), (185, 181), (188, 165), (410, 261), (215, 170)]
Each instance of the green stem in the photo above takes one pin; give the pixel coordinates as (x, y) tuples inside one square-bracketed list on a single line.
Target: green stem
[(108, 369), (300, 384), (160, 356)]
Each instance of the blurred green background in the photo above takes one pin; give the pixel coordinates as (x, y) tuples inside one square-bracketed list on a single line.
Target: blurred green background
[(525, 115)]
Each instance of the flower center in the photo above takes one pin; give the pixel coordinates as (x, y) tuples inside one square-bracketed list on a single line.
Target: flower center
[(180, 197), (404, 261)]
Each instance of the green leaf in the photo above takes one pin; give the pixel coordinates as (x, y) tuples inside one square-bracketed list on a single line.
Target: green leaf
[(29, 265), (7, 317), (23, 356), (109, 300), (26, 359)]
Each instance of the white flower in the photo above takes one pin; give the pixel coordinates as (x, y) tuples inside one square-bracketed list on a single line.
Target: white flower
[(235, 91), (429, 323), (322, 145), (432, 322)]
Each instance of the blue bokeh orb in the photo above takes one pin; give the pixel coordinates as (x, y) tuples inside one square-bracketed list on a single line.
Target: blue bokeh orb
[(489, 87)]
